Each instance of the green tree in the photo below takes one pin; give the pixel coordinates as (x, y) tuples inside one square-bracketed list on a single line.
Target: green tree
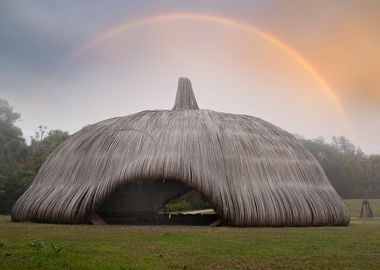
[(12, 144), (43, 143), (19, 162), (352, 173), (13, 152), (14, 186)]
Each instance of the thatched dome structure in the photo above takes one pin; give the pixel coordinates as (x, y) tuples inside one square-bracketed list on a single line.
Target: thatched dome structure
[(252, 172)]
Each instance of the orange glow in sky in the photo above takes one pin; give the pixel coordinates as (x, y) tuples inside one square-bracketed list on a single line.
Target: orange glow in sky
[(311, 68)]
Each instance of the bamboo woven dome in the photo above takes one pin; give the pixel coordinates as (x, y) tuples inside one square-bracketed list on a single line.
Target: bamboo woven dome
[(252, 172)]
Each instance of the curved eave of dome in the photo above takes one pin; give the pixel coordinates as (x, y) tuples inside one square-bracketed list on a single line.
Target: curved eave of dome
[(252, 172)]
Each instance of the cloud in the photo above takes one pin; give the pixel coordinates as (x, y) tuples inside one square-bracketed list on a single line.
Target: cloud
[(339, 38)]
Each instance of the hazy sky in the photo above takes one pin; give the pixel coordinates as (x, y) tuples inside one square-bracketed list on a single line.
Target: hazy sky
[(310, 67)]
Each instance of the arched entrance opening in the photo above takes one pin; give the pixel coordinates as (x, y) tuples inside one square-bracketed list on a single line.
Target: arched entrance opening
[(160, 202)]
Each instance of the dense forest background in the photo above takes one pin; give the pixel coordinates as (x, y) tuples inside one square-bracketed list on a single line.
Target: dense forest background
[(353, 173)]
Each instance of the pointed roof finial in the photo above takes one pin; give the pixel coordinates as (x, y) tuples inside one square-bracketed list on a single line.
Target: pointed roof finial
[(185, 99)]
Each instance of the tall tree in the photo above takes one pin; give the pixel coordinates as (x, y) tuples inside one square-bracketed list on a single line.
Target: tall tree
[(352, 173), (12, 144), (18, 161), (13, 151), (43, 143)]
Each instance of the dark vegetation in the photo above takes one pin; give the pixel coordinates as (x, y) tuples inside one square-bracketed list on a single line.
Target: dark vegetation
[(353, 173), (19, 161)]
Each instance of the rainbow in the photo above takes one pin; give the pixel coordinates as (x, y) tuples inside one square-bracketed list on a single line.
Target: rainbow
[(268, 37)]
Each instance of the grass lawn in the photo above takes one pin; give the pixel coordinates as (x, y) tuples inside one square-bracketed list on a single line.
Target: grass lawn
[(46, 246)]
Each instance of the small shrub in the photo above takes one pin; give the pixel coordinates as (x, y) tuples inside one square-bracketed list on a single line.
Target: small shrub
[(38, 245)]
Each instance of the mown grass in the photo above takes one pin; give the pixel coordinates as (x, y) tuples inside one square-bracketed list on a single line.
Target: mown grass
[(34, 246)]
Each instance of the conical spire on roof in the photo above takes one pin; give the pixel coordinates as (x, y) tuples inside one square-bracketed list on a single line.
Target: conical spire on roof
[(185, 99)]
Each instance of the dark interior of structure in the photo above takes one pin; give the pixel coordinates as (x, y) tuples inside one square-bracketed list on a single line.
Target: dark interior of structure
[(143, 203)]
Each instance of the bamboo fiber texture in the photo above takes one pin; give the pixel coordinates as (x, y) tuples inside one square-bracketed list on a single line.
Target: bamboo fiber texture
[(252, 172)]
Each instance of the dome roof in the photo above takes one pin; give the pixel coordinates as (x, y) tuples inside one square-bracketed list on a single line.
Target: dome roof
[(252, 172)]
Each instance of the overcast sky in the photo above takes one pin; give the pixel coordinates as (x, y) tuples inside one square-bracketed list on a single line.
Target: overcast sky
[(52, 77)]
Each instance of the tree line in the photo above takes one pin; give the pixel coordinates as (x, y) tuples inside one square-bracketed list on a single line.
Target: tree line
[(19, 161), (353, 173)]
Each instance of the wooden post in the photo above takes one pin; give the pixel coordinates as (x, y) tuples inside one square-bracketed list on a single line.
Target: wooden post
[(366, 210)]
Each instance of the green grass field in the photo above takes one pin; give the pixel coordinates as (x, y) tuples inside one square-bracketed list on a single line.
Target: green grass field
[(45, 246)]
